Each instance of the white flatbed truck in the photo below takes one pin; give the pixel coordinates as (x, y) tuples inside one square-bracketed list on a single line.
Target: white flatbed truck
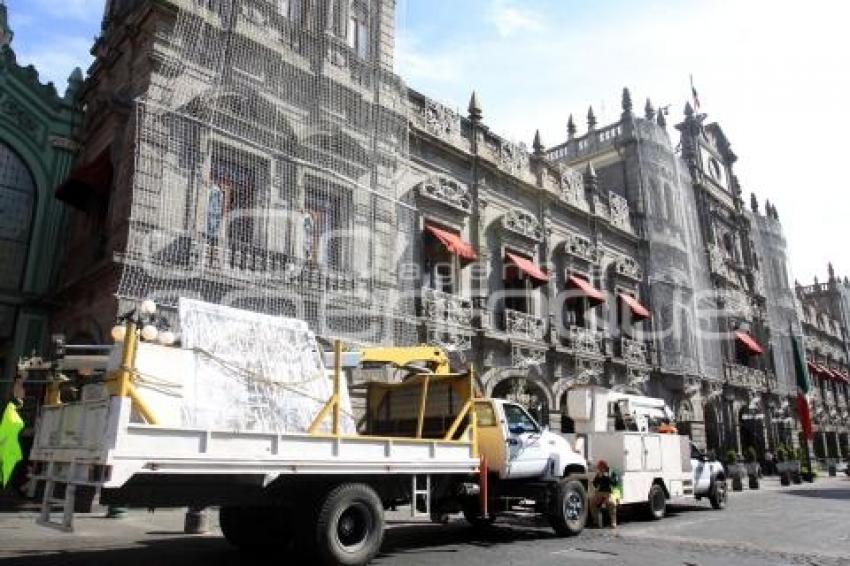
[(428, 441)]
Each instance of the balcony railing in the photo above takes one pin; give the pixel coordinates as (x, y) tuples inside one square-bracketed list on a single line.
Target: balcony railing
[(584, 341), (634, 351), (523, 325), (445, 308), (746, 377)]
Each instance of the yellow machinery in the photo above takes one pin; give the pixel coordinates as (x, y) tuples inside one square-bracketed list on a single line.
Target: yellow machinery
[(434, 358)]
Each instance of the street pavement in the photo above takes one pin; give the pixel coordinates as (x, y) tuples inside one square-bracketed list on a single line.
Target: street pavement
[(807, 524)]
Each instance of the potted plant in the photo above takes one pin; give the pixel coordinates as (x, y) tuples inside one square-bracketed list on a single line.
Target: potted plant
[(753, 468), (782, 466), (734, 470), (794, 465)]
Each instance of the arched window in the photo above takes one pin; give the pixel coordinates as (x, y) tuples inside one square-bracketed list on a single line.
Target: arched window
[(358, 27), (17, 199)]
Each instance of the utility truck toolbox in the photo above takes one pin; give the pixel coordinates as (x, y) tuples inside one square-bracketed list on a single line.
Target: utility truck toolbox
[(244, 415)]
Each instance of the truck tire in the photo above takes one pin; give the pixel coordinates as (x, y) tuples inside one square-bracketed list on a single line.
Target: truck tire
[(349, 526), (719, 493), (569, 508), (252, 528), (656, 504), (472, 513)]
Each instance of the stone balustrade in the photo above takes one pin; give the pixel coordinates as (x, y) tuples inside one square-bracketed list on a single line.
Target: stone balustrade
[(584, 341), (523, 325), (746, 377), (445, 308)]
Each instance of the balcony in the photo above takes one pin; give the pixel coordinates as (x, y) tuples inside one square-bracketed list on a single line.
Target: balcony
[(446, 309), (525, 326), (746, 377), (634, 351), (584, 341)]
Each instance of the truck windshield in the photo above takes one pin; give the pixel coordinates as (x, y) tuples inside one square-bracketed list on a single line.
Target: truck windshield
[(518, 419)]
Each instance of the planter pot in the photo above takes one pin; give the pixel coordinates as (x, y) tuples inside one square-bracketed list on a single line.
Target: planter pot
[(753, 469), (753, 481), (832, 469), (785, 478)]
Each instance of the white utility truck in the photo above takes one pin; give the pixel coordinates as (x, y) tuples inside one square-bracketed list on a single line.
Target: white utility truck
[(635, 435), (249, 421)]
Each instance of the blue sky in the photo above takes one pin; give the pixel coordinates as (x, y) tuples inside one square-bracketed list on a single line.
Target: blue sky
[(773, 73)]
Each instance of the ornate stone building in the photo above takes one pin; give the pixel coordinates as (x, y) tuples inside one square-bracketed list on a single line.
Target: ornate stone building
[(36, 152), (616, 257), (825, 314)]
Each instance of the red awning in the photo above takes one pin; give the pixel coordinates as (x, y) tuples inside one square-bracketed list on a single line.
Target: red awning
[(88, 182), (527, 266), (639, 312), (453, 243), (813, 368), (748, 342), (593, 295)]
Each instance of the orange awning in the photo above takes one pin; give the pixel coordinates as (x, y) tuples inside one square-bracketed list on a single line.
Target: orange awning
[(639, 312), (453, 243), (748, 342), (528, 267), (593, 295)]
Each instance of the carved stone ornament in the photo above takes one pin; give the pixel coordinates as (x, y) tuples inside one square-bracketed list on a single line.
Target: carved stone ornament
[(524, 357), (619, 212), (522, 223), (439, 120), (513, 158), (581, 247), (587, 372), (572, 188), (637, 378), (450, 341), (628, 267), (26, 121), (447, 191)]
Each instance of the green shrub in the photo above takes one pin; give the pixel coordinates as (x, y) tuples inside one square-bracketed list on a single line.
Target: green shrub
[(780, 453), (731, 457), (752, 455)]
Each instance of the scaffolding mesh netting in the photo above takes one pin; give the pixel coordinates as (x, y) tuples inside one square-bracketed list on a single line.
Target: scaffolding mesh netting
[(271, 148)]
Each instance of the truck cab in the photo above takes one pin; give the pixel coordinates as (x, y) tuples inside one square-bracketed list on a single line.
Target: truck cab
[(516, 446)]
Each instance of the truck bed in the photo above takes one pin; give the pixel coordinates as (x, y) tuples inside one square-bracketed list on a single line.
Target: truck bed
[(95, 443)]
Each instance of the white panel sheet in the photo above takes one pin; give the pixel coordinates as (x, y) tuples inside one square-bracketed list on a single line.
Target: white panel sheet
[(253, 372)]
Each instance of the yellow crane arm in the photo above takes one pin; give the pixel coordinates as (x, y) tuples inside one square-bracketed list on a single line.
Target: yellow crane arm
[(435, 358)]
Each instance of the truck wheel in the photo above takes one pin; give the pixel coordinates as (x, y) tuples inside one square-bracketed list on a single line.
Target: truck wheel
[(349, 525), (472, 514), (719, 493), (251, 528), (656, 503), (569, 513)]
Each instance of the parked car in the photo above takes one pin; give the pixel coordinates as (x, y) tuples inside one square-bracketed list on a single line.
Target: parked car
[(709, 478)]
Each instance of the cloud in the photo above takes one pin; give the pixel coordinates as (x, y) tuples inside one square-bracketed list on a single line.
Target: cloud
[(55, 61), (510, 19)]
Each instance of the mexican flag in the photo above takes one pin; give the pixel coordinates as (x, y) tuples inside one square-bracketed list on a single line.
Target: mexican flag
[(804, 384)]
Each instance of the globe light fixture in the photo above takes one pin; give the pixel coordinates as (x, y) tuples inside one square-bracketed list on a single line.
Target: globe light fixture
[(147, 307), (119, 332), (149, 333), (166, 338)]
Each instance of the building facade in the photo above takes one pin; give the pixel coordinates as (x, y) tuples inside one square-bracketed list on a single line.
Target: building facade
[(824, 309), (36, 151), (264, 154)]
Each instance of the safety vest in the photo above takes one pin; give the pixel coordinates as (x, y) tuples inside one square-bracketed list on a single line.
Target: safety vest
[(10, 449)]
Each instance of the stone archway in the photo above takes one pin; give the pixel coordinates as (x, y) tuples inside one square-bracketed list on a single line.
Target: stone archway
[(527, 392)]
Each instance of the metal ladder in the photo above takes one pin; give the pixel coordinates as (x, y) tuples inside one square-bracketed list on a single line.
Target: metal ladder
[(420, 492), (48, 501)]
